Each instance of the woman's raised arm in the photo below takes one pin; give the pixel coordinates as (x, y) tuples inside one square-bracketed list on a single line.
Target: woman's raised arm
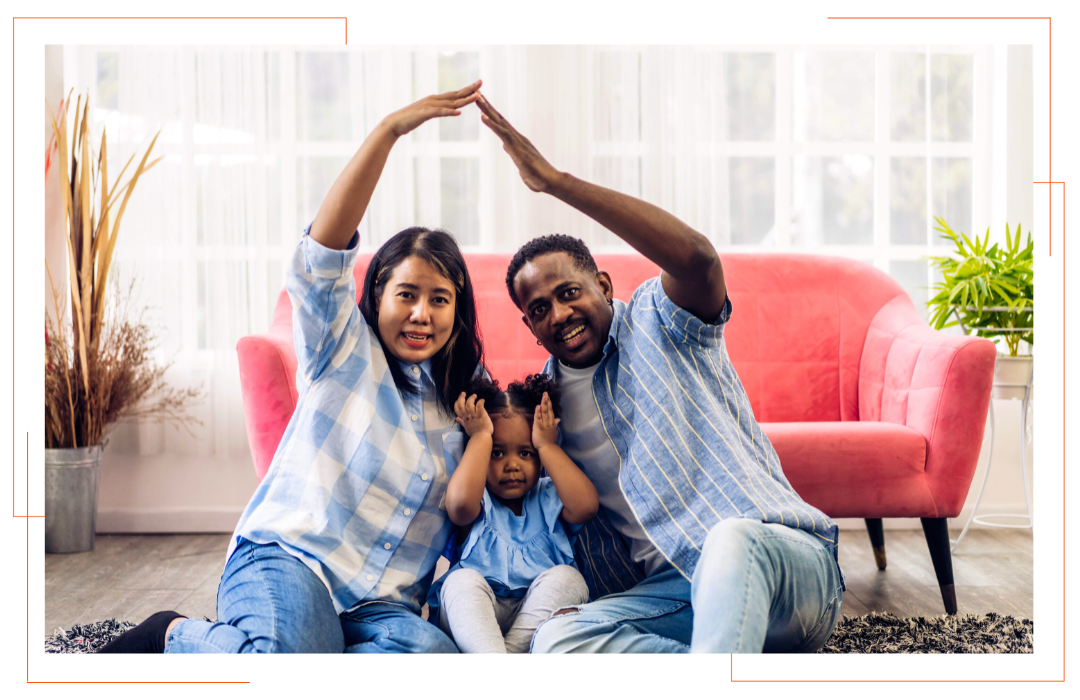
[(348, 199)]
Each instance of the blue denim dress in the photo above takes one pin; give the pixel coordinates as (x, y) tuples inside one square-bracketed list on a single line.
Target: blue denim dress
[(510, 551)]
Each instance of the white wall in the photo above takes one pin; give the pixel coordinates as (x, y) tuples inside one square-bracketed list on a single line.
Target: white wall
[(163, 492), (1019, 127)]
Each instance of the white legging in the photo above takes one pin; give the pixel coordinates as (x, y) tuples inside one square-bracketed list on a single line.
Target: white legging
[(482, 623)]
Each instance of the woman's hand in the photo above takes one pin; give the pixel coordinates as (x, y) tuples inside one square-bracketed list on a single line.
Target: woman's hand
[(347, 200), (535, 171), (544, 430), (447, 104), (472, 416)]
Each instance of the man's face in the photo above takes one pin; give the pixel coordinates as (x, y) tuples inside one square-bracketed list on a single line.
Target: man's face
[(566, 308)]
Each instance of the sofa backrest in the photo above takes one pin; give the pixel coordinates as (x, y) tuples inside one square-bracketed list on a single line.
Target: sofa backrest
[(796, 333)]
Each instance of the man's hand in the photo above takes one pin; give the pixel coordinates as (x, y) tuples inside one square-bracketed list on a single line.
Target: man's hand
[(447, 104), (472, 416), (544, 430), (535, 170)]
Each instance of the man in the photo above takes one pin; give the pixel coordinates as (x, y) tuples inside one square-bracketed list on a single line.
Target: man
[(701, 544)]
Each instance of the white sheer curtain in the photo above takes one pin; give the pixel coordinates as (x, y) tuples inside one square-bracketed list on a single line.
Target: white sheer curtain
[(195, 232), (846, 151)]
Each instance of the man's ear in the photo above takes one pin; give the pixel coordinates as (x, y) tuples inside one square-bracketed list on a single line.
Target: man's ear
[(603, 280)]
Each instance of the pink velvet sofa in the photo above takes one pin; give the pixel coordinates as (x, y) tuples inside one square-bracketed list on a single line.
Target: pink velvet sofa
[(872, 413)]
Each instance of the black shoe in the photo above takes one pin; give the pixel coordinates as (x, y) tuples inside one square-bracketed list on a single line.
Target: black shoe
[(146, 638)]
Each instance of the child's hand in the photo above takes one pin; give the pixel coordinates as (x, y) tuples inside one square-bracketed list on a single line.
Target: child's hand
[(472, 416), (544, 424)]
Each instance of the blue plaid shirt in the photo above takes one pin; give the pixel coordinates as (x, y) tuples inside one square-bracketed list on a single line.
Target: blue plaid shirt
[(690, 452), (357, 487)]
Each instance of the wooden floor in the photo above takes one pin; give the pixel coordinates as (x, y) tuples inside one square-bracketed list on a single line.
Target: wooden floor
[(130, 577)]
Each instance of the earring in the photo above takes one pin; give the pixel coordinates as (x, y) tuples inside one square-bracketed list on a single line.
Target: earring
[(539, 343)]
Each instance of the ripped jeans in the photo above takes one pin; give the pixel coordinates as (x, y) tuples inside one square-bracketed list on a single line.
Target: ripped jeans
[(757, 587), (270, 602)]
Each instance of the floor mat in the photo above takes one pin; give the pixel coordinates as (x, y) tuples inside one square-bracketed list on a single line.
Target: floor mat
[(883, 633), (876, 633)]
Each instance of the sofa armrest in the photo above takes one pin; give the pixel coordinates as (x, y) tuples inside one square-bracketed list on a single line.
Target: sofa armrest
[(934, 383), (268, 384)]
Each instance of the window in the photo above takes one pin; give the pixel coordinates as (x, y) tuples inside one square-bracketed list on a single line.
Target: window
[(253, 140), (843, 151), (839, 150)]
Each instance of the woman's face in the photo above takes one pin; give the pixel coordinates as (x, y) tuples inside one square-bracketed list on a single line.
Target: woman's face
[(514, 468), (416, 311)]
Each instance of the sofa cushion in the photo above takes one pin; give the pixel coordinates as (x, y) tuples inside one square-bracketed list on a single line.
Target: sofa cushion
[(796, 333), (797, 329), (855, 469)]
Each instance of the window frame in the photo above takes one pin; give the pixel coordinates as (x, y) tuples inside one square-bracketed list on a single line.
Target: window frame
[(289, 150), (785, 148)]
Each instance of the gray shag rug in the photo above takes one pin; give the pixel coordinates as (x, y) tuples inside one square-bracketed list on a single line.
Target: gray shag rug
[(85, 639), (882, 633), (88, 638), (876, 633)]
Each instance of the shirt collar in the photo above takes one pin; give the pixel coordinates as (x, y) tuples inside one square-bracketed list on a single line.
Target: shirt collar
[(425, 369)]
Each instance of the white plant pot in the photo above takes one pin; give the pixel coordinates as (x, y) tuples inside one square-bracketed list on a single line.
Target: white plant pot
[(1012, 370)]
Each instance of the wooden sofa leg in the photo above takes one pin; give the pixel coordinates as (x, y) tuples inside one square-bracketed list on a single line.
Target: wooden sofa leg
[(937, 539), (877, 541)]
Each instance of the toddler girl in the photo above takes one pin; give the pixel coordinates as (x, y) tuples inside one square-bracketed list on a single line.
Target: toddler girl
[(516, 563)]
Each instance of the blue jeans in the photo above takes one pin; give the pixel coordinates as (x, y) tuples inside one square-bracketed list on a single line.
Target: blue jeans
[(270, 602), (757, 587)]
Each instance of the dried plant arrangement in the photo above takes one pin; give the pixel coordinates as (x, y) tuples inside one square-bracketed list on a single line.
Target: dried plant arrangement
[(102, 369)]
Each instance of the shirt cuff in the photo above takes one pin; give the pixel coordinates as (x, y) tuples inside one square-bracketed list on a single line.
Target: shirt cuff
[(327, 262), (687, 327), (725, 313)]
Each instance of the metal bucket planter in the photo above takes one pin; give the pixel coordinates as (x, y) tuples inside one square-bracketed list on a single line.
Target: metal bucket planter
[(71, 490)]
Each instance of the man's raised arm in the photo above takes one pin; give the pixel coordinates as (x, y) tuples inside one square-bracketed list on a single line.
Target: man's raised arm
[(692, 275)]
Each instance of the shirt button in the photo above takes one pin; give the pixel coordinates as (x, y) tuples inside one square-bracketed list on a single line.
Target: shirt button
[(386, 546), (415, 417), (408, 511), (423, 477), (370, 577), (422, 448), (416, 371)]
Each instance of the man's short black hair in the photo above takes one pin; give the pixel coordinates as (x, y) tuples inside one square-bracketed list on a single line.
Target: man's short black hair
[(552, 243)]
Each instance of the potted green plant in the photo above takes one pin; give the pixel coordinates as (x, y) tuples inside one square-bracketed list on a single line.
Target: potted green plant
[(988, 290), (99, 362)]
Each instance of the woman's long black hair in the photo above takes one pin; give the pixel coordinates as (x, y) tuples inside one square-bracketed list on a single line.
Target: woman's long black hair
[(454, 365)]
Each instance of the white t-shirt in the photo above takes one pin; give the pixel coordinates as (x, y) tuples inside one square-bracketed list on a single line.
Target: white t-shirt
[(590, 447)]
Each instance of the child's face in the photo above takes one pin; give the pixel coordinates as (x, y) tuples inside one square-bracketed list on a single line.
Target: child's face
[(514, 468)]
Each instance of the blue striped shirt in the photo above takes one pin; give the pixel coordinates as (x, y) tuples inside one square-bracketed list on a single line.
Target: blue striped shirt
[(690, 451), (357, 487)]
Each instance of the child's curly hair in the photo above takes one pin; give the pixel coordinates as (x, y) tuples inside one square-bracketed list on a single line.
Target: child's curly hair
[(519, 397)]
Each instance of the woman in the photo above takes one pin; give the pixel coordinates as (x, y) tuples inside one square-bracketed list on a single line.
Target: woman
[(338, 545)]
